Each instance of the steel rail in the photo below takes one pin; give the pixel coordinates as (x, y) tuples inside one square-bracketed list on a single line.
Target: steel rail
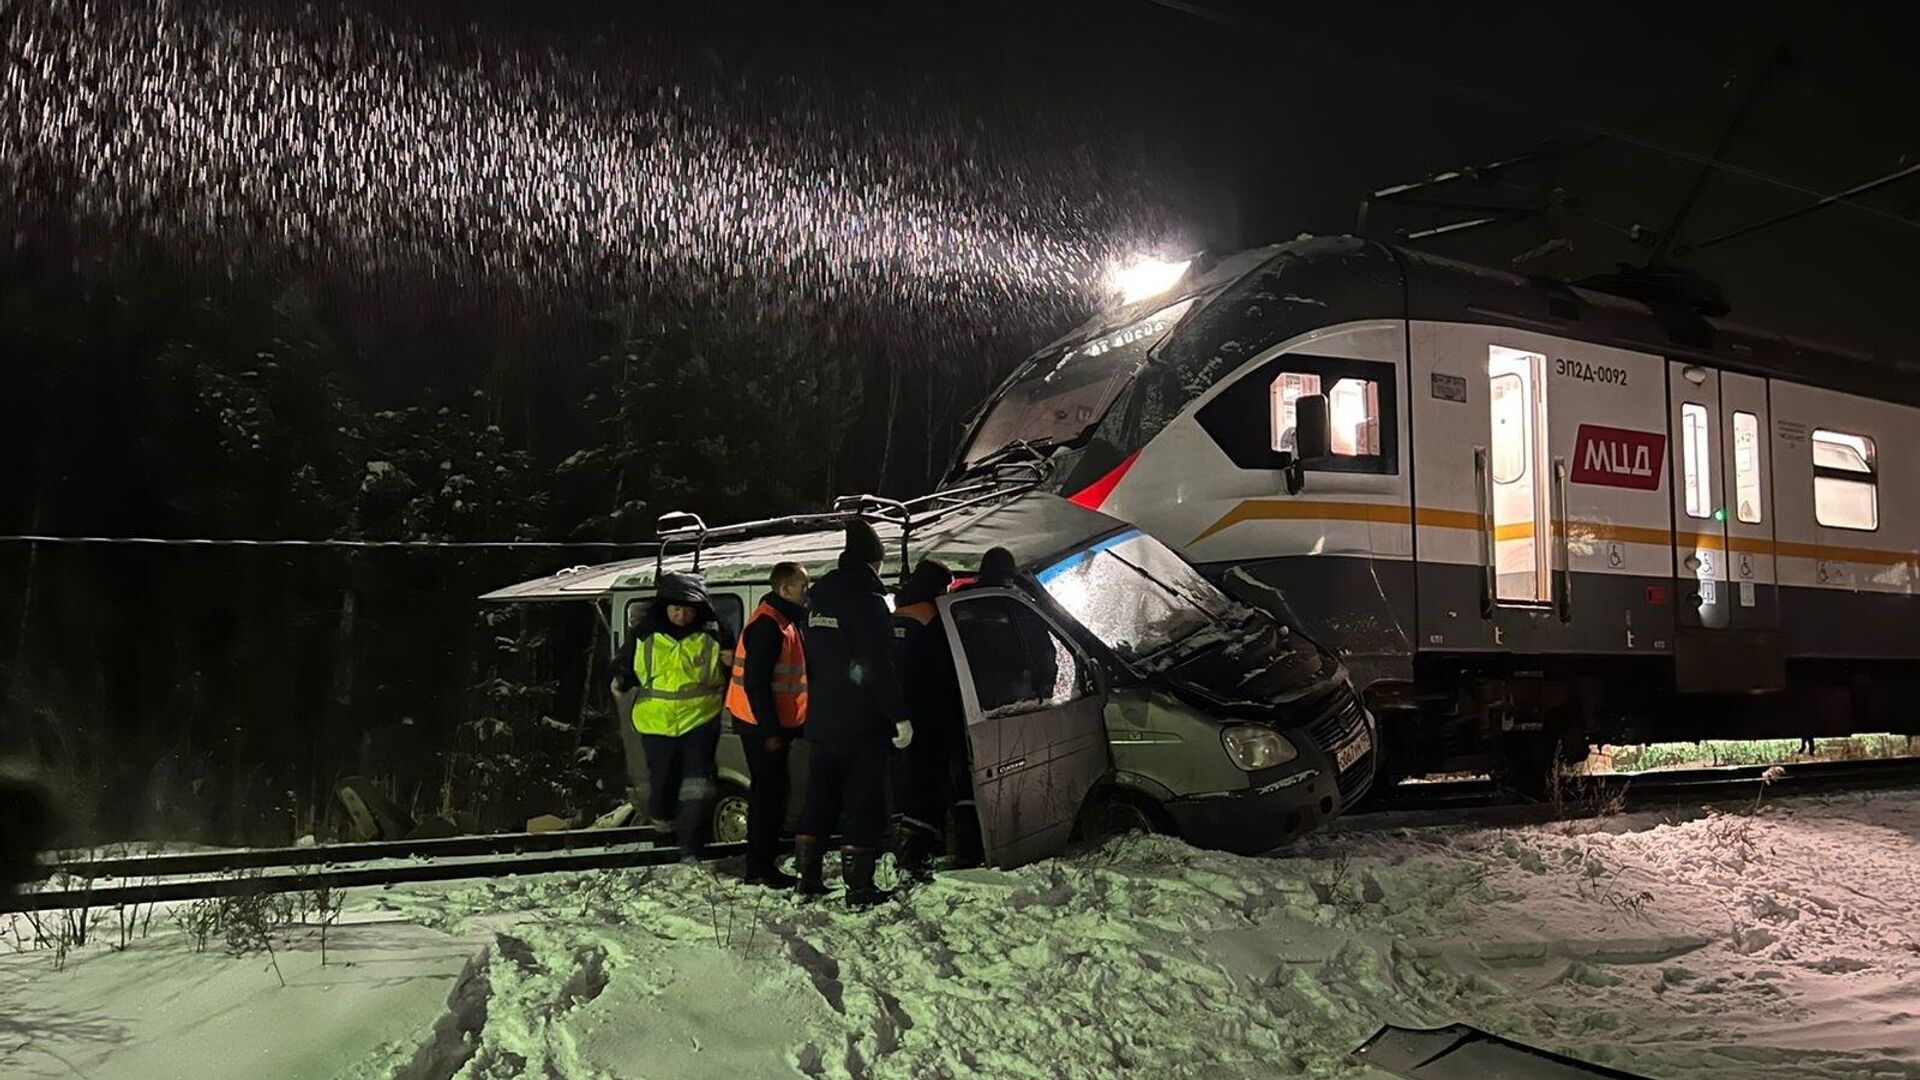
[(1486, 802), (232, 859), (346, 877)]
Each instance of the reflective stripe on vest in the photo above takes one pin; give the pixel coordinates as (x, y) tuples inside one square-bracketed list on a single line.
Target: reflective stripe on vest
[(789, 674), (681, 684)]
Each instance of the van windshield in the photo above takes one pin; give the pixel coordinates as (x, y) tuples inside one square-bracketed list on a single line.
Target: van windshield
[(1137, 596), (1059, 396)]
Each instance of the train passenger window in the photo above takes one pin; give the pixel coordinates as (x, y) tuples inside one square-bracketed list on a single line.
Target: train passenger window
[(1846, 492), (1696, 440), (1746, 467), (1509, 427), (1353, 412)]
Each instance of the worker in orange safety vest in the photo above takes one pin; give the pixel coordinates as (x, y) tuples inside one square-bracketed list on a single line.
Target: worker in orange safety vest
[(768, 702)]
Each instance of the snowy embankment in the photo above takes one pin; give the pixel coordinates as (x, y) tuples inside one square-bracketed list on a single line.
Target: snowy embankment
[(1779, 944)]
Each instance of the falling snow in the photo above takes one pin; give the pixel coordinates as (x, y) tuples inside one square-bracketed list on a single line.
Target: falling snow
[(354, 141)]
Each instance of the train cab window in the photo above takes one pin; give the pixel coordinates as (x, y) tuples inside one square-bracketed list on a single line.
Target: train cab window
[(1746, 468), (1846, 481), (1696, 459), (1353, 412), (1252, 419)]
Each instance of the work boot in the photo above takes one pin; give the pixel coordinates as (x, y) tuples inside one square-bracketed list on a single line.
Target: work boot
[(912, 848), (769, 877), (807, 857), (856, 866)]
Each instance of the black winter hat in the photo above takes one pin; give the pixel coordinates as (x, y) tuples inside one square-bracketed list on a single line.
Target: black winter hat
[(997, 566), (679, 588), (929, 579), (863, 543)]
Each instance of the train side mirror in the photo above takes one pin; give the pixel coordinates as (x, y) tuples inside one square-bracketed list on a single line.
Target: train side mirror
[(1312, 431), (1312, 440)]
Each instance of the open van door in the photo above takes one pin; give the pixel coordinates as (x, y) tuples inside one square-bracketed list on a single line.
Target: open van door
[(1036, 733)]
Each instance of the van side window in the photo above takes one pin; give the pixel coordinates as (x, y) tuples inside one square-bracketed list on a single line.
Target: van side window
[(1019, 664), (725, 605), (1846, 481)]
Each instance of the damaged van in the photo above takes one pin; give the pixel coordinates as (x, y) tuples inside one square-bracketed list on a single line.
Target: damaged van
[(1139, 696)]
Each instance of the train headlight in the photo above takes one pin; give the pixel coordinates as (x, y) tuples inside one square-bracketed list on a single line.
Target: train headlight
[(1147, 277), (1252, 747)]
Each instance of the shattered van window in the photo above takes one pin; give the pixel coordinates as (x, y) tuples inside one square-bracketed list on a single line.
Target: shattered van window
[(1017, 662), (1135, 595)]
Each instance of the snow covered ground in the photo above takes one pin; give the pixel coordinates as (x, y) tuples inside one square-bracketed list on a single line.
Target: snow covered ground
[(1779, 944)]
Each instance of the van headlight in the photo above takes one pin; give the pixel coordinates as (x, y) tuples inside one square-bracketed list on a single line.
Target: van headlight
[(1252, 747)]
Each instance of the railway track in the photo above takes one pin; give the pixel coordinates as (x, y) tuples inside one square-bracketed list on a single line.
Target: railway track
[(1488, 802), (223, 861), (102, 882), (148, 879)]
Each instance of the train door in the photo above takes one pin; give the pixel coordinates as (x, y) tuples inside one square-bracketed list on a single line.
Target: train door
[(1036, 729), (1522, 488), (1725, 619), (1699, 498), (1538, 463), (1749, 478)]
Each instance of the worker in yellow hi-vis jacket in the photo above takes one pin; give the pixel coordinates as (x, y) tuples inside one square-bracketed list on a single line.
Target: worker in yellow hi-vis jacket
[(673, 668)]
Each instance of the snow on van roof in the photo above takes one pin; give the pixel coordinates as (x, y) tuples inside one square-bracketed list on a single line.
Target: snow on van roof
[(1036, 527)]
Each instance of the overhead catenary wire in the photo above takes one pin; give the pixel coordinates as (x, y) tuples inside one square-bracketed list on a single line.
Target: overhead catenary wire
[(1409, 73)]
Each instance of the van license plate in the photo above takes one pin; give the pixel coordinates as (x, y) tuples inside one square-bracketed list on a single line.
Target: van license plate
[(1353, 751)]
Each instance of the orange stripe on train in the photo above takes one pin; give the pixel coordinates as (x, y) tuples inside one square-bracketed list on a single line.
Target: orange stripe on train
[(1438, 518)]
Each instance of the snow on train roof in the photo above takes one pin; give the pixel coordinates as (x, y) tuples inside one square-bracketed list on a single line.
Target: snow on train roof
[(1035, 526)]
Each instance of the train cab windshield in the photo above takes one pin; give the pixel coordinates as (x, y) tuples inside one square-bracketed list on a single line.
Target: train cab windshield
[(1058, 396), (1139, 598)]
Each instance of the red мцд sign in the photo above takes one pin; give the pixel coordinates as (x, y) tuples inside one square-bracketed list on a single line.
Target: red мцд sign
[(1618, 457)]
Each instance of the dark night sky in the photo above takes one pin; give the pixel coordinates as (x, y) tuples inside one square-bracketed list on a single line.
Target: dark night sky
[(1274, 119), (1261, 120), (1314, 106), (1224, 123)]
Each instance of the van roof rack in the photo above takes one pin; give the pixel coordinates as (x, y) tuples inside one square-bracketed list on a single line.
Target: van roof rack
[(1006, 481)]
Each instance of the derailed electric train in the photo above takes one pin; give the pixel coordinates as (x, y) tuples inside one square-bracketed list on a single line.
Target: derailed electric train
[(1526, 516)]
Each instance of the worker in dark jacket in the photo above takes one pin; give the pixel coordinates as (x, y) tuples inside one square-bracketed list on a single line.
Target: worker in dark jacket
[(672, 670), (935, 765), (854, 710), (998, 570), (768, 702)]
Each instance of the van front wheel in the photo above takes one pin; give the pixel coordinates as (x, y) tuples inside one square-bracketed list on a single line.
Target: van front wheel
[(729, 824), (1112, 812)]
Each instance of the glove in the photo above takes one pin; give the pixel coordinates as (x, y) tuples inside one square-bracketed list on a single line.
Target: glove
[(902, 734)]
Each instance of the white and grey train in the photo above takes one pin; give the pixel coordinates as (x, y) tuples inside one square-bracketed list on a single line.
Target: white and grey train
[(1528, 516)]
